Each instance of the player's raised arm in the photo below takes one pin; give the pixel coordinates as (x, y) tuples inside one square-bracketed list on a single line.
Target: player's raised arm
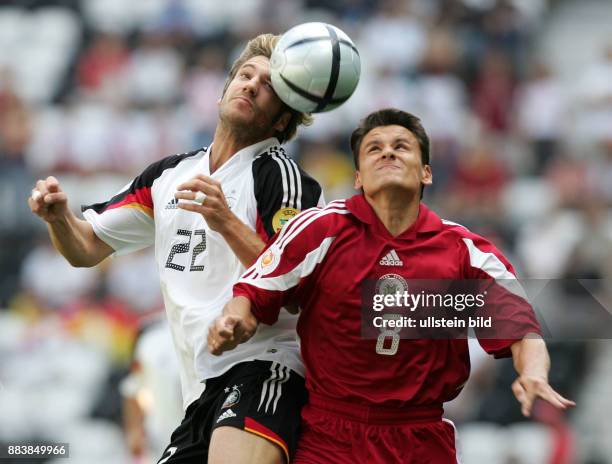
[(532, 363), (209, 200), (74, 238)]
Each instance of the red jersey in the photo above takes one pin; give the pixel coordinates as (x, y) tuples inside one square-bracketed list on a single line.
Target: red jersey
[(319, 260)]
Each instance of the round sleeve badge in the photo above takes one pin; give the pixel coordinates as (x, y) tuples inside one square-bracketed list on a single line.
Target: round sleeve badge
[(269, 260), (282, 216)]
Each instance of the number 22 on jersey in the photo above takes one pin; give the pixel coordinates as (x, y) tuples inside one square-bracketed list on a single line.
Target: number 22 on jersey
[(185, 247)]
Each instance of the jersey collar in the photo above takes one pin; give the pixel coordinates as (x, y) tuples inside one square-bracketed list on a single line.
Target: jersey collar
[(246, 155), (426, 222), (252, 151)]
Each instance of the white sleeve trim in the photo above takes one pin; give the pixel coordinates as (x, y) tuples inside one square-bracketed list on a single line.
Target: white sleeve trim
[(292, 278), (491, 264)]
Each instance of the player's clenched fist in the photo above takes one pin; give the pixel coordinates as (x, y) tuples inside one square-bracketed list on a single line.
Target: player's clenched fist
[(48, 201), (226, 333)]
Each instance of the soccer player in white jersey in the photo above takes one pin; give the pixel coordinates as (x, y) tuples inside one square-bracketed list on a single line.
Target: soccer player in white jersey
[(208, 213)]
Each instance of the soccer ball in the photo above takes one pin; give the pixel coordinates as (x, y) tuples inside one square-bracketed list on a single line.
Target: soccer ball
[(315, 67)]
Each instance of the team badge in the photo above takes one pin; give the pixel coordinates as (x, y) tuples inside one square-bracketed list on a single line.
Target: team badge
[(269, 260), (232, 398), (282, 216), (390, 284)]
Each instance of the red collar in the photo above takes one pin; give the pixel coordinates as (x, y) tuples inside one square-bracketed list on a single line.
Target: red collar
[(427, 221)]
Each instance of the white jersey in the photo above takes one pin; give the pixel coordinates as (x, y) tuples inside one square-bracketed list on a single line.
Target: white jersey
[(197, 268)]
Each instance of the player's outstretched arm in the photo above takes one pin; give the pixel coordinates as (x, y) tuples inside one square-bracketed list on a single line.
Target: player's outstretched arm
[(235, 326), (532, 363), (74, 238)]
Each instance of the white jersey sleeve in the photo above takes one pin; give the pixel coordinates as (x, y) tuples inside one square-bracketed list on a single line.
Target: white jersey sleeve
[(126, 221)]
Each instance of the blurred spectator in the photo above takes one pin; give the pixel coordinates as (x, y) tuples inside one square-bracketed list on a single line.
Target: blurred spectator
[(155, 70), (546, 244), (92, 128), (135, 282), (476, 186), (440, 99), (333, 169), (594, 100), (440, 94), (152, 395), (202, 89), (493, 91), (542, 114), (393, 38), (593, 247), (51, 282), (568, 176), (599, 175), (505, 29), (15, 123), (103, 64), (16, 226)]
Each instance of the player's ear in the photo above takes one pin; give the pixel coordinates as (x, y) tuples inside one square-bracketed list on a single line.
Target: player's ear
[(358, 185), (281, 123), (426, 175)]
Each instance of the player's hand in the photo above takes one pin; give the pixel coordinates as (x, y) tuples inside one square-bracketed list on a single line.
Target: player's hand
[(527, 388), (226, 333), (48, 201), (207, 198)]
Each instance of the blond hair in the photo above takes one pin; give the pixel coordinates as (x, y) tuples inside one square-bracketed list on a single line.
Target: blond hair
[(263, 45)]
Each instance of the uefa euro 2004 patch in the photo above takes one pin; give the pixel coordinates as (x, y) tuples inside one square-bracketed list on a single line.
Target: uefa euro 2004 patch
[(282, 216)]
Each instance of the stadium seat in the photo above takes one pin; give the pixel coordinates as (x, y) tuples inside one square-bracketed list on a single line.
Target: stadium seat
[(530, 443), (55, 26), (482, 442), (12, 21)]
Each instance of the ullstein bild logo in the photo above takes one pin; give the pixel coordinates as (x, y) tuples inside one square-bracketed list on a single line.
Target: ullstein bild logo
[(391, 259)]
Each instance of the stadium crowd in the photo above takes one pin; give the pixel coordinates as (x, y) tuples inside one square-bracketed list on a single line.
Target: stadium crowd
[(92, 90)]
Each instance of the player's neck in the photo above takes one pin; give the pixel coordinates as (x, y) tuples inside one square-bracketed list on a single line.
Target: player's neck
[(225, 145), (396, 212)]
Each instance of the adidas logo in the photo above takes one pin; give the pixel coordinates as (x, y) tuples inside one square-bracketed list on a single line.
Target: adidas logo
[(391, 259), (226, 415), (172, 204)]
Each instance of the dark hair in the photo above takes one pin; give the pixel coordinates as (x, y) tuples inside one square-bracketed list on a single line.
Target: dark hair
[(263, 45), (391, 117)]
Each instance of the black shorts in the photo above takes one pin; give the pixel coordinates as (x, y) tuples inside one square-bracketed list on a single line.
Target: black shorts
[(261, 397)]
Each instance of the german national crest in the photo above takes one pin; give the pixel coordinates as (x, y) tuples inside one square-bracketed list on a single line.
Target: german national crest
[(232, 398)]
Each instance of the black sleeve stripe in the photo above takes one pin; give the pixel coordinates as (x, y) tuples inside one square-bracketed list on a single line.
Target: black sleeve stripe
[(280, 183), (144, 181)]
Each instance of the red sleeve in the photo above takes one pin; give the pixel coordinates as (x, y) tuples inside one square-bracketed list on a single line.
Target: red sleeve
[(287, 266), (505, 299)]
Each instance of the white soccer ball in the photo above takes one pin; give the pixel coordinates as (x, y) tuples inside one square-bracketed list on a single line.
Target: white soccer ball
[(315, 67)]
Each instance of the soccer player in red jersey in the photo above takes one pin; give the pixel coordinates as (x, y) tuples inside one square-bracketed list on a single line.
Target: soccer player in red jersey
[(367, 403)]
